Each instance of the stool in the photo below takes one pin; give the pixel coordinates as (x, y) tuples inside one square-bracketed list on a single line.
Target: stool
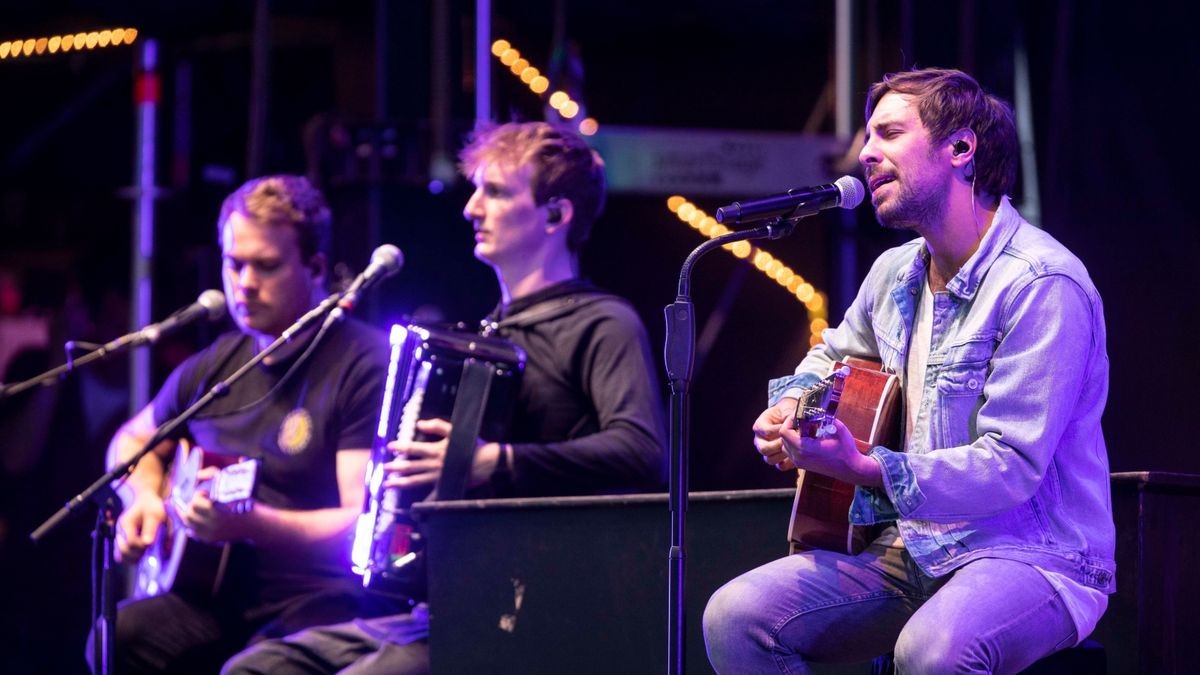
[(1085, 658)]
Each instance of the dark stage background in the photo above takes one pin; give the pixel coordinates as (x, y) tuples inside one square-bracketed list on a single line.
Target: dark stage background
[(1112, 102)]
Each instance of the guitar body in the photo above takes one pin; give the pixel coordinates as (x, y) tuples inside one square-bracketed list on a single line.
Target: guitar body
[(867, 400), (173, 562)]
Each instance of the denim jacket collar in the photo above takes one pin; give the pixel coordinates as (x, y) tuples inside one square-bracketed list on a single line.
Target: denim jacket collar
[(966, 282)]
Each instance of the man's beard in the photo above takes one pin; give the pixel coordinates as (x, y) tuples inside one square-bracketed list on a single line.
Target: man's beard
[(912, 207)]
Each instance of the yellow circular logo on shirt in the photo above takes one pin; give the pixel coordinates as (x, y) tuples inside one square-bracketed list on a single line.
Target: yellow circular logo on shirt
[(296, 432)]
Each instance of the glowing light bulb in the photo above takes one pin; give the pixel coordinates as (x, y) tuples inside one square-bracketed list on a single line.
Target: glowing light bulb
[(500, 46), (539, 85), (558, 99), (510, 57), (569, 110), (762, 260), (589, 126)]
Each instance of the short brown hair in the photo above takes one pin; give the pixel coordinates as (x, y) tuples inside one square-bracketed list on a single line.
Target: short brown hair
[(563, 166), (283, 200), (949, 100)]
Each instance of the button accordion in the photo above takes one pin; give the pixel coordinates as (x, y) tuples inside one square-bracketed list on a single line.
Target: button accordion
[(428, 369)]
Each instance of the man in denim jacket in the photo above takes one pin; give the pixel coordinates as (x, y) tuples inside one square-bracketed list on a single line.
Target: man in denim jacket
[(999, 538)]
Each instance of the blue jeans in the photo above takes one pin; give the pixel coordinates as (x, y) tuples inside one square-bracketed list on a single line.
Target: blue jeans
[(989, 616)]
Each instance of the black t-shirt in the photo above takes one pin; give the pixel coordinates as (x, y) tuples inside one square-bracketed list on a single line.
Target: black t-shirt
[(293, 416)]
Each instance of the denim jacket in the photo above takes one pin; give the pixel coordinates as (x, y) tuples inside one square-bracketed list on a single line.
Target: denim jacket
[(1006, 459)]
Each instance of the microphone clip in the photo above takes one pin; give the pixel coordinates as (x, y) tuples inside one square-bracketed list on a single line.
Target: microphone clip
[(780, 227)]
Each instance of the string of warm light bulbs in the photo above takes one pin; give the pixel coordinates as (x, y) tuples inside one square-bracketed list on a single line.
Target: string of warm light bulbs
[(55, 44), (814, 301), (561, 101)]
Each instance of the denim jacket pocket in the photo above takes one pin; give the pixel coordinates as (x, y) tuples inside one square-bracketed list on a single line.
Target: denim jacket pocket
[(960, 395), (977, 349), (959, 383), (961, 380)]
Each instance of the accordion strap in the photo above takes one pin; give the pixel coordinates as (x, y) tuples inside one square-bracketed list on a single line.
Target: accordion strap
[(544, 310), (467, 418)]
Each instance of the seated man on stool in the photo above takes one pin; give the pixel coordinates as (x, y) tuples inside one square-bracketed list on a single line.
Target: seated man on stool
[(999, 539)]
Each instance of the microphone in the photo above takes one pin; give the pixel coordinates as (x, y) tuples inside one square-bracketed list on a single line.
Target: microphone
[(385, 261), (846, 192), (209, 306)]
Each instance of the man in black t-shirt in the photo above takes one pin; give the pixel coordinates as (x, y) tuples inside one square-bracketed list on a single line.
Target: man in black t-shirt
[(307, 415), (588, 417)]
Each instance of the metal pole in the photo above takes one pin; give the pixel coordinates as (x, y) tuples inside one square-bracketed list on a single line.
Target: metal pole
[(844, 106), (1031, 205), (147, 94), (260, 87), (441, 167), (483, 64), (383, 32)]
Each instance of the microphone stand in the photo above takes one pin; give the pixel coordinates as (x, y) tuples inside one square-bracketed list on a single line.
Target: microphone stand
[(679, 357), (105, 497), (56, 373)]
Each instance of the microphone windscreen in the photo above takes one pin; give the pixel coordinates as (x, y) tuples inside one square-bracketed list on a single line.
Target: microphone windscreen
[(387, 258), (851, 192), (213, 302)]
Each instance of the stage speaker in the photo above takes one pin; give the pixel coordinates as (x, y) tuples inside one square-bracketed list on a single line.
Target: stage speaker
[(579, 584), (1154, 617)]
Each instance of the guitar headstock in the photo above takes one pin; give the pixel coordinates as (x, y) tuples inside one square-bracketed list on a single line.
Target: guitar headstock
[(817, 404)]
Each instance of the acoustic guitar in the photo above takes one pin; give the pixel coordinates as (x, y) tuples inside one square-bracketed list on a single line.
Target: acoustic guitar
[(867, 400), (193, 567)]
